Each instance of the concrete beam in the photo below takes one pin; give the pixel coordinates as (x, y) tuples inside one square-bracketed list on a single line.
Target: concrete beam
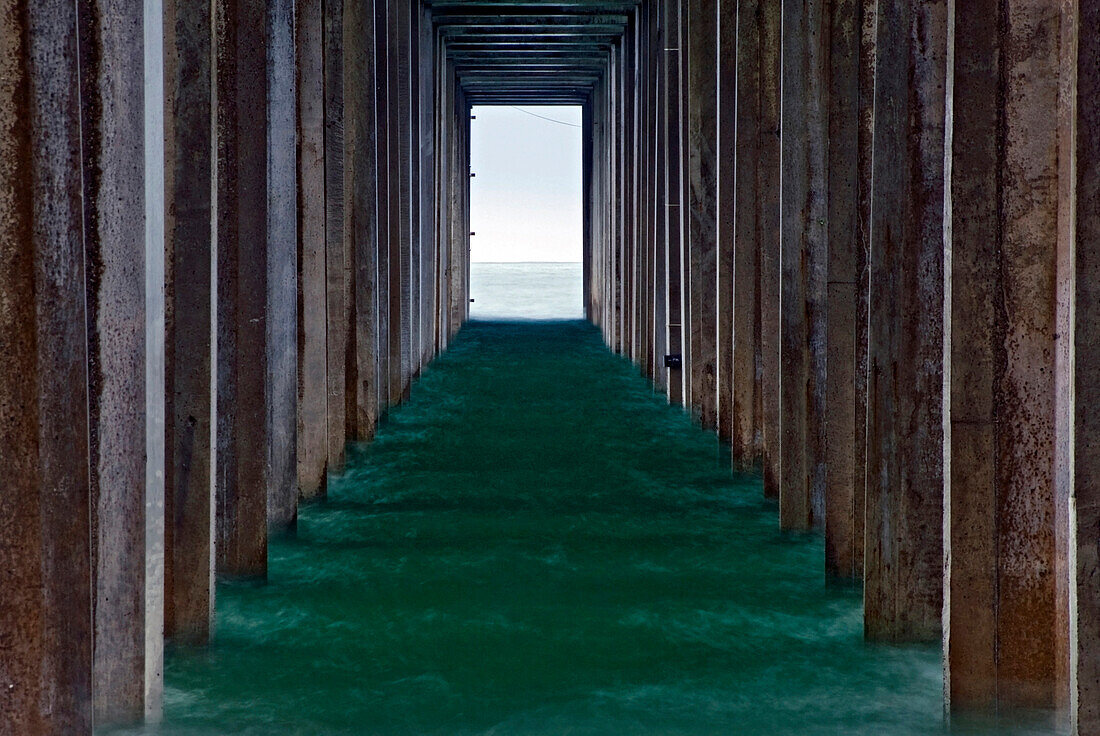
[(45, 559), (903, 578)]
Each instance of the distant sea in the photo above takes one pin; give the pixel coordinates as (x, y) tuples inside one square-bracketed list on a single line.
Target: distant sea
[(526, 291)]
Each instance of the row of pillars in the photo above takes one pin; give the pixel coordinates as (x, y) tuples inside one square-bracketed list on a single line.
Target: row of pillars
[(232, 232), (860, 239)]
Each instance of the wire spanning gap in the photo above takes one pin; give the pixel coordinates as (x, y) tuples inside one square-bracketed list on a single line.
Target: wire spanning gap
[(542, 117)]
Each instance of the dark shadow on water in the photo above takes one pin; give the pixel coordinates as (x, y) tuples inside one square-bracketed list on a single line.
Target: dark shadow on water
[(536, 543)]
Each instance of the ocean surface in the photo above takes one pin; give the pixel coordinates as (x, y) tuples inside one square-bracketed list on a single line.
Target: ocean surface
[(526, 291), (537, 543)]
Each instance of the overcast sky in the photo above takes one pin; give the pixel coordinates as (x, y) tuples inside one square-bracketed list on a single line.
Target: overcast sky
[(526, 198)]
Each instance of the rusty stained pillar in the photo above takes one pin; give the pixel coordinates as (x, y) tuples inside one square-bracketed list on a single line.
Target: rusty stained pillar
[(804, 261), (119, 361), (1004, 645), (1079, 360), (190, 288), (699, 51), (360, 210), (903, 578), (851, 100), (312, 282), (45, 556), (411, 163)]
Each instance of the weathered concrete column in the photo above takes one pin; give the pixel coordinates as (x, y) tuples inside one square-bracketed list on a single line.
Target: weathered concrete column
[(674, 222), (1078, 365), (660, 203), (361, 222), (403, 108), (851, 92), (281, 336), (701, 102), (730, 377), (45, 565), (767, 29), (243, 363), (337, 262), (412, 62), (312, 322), (382, 157), (395, 129), (153, 26), (1003, 612), (190, 284), (804, 255), (903, 579), (112, 65), (429, 242)]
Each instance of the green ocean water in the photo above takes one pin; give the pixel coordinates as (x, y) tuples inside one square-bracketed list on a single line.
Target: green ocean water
[(536, 543)]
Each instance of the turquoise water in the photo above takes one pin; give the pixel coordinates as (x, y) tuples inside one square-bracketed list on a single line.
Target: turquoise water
[(537, 544)]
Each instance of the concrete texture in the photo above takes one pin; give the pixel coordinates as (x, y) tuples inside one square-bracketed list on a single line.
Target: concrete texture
[(702, 101), (190, 281), (111, 36), (903, 563), (312, 284), (1082, 270), (845, 340), (45, 559), (769, 25), (244, 425), (1001, 552), (803, 264)]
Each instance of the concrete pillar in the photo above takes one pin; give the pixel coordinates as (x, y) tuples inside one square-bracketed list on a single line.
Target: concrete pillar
[(1078, 358), (1003, 611), (701, 103), (190, 288), (112, 65), (903, 579), (243, 262), (402, 104), (395, 129), (153, 26), (336, 249), (382, 157), (804, 261), (661, 210), (312, 321), (768, 27), (45, 565), (851, 90), (673, 236), (429, 243), (729, 378), (361, 222), (413, 162)]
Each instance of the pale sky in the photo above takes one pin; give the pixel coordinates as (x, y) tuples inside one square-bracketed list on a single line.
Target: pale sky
[(525, 202)]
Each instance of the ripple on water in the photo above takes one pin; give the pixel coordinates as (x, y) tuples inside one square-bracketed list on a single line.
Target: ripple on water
[(536, 543)]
